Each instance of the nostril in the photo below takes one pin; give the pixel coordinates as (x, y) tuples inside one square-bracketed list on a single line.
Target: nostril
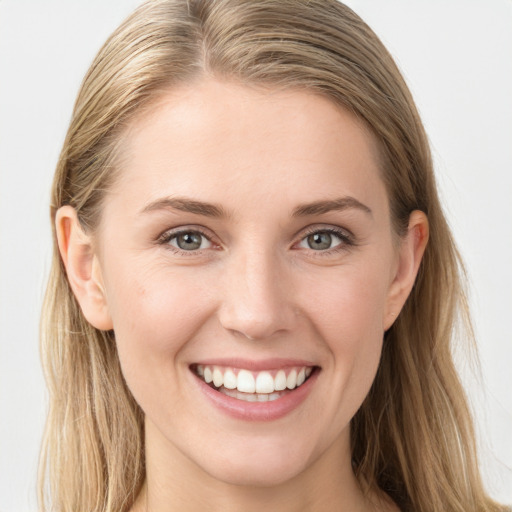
[(242, 335), (255, 306)]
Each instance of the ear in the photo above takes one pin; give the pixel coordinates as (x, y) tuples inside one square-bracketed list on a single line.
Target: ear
[(82, 268), (410, 252)]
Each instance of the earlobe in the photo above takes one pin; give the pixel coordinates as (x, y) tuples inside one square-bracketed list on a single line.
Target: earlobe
[(82, 268), (411, 250)]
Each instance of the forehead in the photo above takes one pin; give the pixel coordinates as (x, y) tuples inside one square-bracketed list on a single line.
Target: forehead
[(220, 141)]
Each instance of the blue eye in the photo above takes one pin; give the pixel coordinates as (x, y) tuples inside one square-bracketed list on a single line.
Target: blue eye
[(189, 241), (324, 240)]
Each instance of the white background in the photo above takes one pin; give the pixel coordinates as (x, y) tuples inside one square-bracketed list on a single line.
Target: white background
[(457, 58)]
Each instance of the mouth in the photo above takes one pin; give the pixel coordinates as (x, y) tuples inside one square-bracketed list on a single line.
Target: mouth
[(254, 386)]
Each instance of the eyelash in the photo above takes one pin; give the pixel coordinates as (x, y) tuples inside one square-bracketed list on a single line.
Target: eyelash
[(347, 240), (166, 238)]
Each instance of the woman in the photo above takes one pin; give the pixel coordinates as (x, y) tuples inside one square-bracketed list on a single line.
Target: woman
[(245, 212)]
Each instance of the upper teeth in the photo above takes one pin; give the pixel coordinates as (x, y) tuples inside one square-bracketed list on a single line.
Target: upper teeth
[(254, 382)]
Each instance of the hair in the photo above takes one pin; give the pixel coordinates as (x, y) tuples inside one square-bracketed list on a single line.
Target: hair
[(413, 435)]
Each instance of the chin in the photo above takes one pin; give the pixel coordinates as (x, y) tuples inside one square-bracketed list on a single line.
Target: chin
[(255, 462), (258, 467), (251, 475)]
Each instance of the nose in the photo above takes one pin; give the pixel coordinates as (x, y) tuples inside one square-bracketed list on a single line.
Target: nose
[(257, 297)]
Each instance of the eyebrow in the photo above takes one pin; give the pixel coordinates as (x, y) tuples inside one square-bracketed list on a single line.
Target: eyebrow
[(188, 205), (185, 204), (339, 204)]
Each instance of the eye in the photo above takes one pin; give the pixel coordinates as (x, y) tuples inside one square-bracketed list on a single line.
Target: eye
[(325, 239), (188, 241)]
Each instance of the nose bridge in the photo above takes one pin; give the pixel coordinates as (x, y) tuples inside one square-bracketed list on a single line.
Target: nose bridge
[(256, 294)]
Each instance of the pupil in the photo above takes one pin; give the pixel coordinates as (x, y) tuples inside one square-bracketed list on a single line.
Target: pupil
[(189, 241), (320, 241)]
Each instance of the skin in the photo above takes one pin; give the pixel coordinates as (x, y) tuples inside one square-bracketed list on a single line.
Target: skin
[(256, 290)]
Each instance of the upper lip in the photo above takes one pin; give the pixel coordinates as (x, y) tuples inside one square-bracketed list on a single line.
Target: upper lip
[(255, 365)]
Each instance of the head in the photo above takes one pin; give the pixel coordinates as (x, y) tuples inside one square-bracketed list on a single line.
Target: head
[(321, 49)]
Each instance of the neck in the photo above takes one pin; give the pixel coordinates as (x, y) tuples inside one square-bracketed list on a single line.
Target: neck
[(175, 483)]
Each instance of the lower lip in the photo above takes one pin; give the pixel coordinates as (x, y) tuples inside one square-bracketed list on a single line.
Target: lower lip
[(259, 411)]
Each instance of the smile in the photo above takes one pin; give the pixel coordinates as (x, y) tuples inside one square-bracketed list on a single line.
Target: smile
[(249, 386)]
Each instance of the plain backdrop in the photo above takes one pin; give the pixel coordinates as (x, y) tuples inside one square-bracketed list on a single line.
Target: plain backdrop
[(457, 58)]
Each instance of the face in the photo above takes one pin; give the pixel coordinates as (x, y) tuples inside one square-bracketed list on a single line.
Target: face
[(248, 240)]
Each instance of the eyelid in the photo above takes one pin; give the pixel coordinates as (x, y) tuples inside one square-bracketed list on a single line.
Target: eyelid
[(347, 238), (165, 237)]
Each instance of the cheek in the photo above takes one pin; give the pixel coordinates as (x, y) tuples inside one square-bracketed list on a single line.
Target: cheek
[(154, 312), (347, 314), (347, 304)]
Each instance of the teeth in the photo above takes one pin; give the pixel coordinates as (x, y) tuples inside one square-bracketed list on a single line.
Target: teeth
[(218, 378), (291, 381), (280, 382), (262, 386), (301, 377), (245, 382), (249, 397), (264, 383), (230, 380)]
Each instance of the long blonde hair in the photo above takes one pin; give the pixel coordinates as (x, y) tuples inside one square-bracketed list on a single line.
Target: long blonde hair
[(413, 435)]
